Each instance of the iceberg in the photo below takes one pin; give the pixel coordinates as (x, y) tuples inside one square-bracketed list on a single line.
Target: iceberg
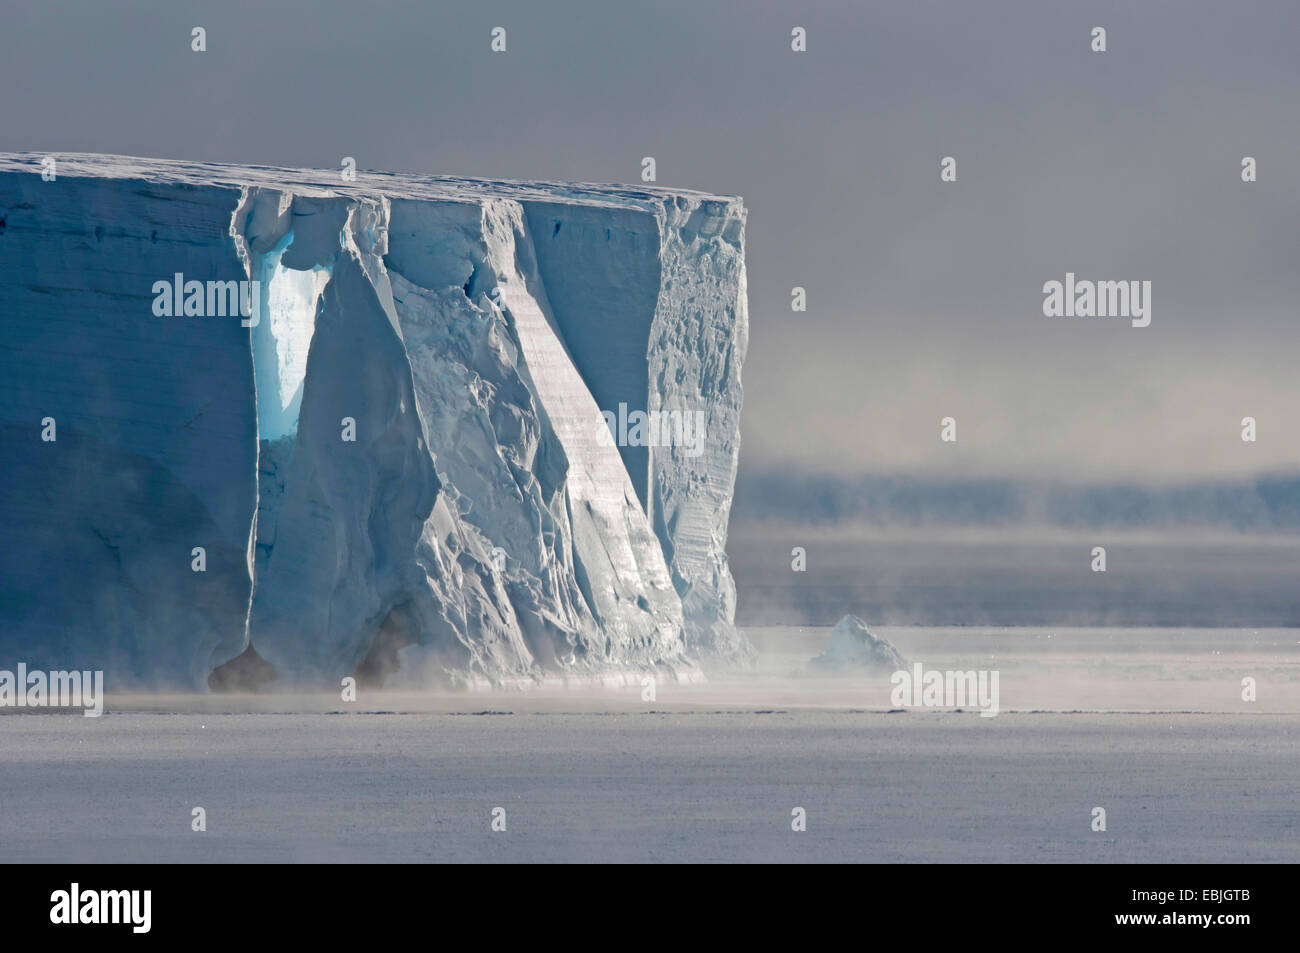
[(259, 419), (853, 646)]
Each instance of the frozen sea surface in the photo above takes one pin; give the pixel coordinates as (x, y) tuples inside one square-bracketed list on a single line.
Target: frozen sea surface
[(1145, 723), (702, 786)]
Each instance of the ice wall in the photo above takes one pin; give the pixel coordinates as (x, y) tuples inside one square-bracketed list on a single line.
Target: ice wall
[(400, 469), (154, 427)]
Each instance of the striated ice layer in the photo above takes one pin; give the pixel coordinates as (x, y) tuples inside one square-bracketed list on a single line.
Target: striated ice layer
[(400, 464)]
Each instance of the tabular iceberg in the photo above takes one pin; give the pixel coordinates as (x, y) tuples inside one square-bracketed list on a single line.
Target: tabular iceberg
[(417, 429)]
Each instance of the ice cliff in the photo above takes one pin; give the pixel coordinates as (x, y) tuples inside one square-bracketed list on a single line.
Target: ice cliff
[(426, 429)]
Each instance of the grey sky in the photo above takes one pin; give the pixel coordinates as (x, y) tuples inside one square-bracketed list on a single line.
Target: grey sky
[(924, 298)]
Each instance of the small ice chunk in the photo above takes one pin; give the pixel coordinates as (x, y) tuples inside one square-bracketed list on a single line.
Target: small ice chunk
[(853, 646)]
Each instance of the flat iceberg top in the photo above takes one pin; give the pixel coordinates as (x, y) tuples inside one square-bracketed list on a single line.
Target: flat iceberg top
[(328, 182)]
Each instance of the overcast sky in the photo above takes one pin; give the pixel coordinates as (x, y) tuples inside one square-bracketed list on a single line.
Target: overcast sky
[(925, 298)]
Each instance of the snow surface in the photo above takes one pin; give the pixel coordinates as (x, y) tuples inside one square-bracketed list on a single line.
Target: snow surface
[(479, 529), (684, 786)]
